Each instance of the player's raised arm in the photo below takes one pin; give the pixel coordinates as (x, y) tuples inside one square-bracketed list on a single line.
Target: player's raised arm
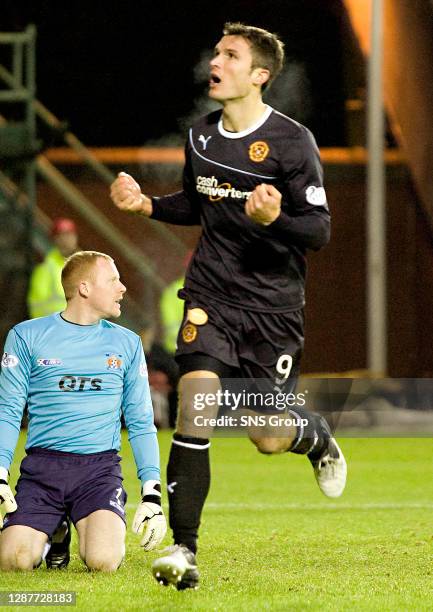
[(264, 204), (310, 224), (126, 195), (179, 208), (303, 217)]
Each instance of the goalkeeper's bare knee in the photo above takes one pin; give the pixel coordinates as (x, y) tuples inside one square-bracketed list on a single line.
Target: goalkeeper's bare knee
[(98, 561)]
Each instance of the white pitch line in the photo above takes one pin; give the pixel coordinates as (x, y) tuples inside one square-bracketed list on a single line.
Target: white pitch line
[(318, 506)]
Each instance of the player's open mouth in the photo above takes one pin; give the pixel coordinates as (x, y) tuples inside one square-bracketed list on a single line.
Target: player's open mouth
[(214, 79)]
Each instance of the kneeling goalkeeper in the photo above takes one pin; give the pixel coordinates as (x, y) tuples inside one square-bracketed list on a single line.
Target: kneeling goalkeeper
[(77, 372)]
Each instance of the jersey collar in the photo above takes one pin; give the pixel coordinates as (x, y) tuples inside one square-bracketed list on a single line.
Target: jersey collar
[(249, 130)]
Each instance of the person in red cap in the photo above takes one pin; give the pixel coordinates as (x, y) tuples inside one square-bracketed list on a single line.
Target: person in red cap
[(45, 295)]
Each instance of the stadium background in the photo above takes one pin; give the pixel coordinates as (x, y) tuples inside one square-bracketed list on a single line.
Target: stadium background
[(129, 75), (125, 76)]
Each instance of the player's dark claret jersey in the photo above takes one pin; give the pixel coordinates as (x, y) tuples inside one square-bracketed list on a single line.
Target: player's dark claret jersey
[(238, 261)]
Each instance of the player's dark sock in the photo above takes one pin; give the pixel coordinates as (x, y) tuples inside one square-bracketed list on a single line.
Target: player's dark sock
[(311, 439), (188, 481)]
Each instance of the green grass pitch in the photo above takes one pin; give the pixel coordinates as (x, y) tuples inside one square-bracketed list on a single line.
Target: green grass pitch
[(271, 541)]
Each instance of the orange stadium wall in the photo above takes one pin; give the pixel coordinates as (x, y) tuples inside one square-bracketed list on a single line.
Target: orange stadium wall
[(408, 79), (335, 313)]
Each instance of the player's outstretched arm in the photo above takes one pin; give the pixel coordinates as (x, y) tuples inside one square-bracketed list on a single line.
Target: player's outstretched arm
[(126, 195), (7, 499), (149, 518)]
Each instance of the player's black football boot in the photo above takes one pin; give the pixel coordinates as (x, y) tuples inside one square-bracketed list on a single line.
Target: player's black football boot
[(58, 556)]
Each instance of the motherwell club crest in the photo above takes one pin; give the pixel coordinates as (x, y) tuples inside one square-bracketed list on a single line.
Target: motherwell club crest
[(189, 333), (258, 151)]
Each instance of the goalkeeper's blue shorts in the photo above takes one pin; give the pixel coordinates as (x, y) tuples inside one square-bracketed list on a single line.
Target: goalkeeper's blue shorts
[(54, 484)]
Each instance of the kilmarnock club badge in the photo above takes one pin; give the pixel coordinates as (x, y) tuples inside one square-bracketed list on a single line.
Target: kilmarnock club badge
[(113, 361)]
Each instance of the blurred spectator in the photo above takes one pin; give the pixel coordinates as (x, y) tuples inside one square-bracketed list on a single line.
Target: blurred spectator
[(171, 309), (163, 378), (45, 295)]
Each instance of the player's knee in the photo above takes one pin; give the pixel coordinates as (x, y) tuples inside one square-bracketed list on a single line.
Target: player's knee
[(195, 412), (194, 424), (18, 558), (100, 562), (194, 388), (271, 446), (103, 560), (190, 429)]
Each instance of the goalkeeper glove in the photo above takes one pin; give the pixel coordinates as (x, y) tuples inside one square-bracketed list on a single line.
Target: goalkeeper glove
[(150, 517), (6, 496)]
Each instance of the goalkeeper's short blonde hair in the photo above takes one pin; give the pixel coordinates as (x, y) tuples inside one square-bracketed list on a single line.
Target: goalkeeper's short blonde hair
[(79, 267)]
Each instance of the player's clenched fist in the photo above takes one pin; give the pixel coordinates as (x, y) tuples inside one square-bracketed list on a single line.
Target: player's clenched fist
[(126, 195), (264, 204)]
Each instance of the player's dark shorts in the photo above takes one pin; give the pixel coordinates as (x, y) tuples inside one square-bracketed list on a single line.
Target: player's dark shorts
[(251, 344), (53, 483)]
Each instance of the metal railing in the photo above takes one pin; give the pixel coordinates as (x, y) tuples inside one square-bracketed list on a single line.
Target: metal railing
[(21, 83), (99, 168)]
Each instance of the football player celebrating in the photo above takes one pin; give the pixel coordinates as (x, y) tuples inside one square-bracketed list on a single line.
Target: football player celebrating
[(253, 181), (77, 373)]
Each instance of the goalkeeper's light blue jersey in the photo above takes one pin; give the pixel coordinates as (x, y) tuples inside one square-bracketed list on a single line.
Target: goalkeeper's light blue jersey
[(77, 379)]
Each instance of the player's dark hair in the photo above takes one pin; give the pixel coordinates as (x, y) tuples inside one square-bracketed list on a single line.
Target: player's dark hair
[(76, 266), (266, 48)]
